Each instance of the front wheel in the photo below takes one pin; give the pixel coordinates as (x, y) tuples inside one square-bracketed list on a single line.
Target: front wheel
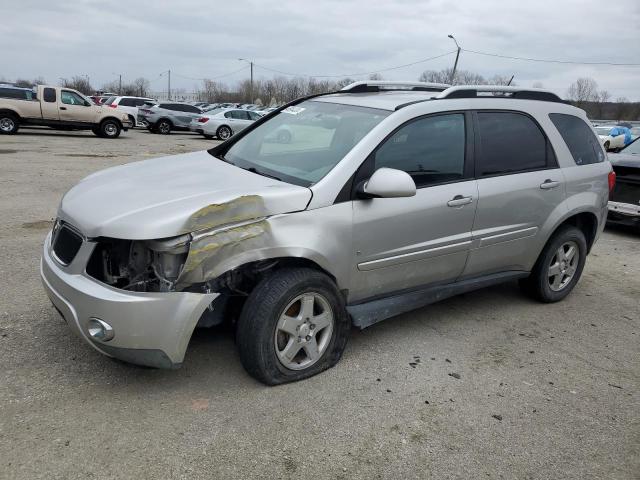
[(9, 124), (110, 129), (293, 325), (559, 266)]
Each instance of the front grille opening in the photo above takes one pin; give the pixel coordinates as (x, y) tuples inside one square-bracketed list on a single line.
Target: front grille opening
[(66, 244)]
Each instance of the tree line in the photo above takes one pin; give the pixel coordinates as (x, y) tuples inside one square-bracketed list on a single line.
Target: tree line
[(583, 93)]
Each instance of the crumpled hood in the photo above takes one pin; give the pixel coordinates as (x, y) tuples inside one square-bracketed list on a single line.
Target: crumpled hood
[(169, 196)]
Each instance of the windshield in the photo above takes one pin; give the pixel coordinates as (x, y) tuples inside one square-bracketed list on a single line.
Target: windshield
[(303, 143), (633, 148)]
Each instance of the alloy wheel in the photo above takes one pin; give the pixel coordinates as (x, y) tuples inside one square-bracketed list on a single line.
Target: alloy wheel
[(304, 331), (563, 265)]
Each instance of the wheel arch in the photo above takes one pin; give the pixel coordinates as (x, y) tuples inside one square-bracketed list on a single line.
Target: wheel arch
[(585, 221), (111, 118), (11, 112)]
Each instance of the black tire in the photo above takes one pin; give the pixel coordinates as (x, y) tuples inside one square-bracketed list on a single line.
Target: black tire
[(9, 124), (133, 122), (163, 127), (538, 284), (256, 329), (224, 133), (110, 128), (606, 146)]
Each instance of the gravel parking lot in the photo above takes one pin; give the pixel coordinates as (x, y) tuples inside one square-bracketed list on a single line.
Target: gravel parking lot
[(485, 385)]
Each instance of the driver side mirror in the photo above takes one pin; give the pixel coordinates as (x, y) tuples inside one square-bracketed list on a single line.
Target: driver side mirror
[(387, 183)]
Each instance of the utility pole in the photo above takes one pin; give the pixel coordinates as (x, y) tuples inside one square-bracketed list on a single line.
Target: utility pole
[(169, 85), (455, 64), (250, 62), (120, 84)]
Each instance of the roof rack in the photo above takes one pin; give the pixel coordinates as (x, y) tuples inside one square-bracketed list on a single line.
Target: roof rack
[(499, 91), (386, 86)]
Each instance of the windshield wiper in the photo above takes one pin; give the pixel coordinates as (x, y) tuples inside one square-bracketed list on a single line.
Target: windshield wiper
[(264, 174)]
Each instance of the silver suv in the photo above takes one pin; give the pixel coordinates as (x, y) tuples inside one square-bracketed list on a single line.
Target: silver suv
[(387, 198), (167, 116)]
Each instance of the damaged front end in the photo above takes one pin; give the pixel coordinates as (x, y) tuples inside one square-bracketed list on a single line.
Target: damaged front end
[(139, 265)]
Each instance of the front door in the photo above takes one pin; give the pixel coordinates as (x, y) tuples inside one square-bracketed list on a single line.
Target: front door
[(403, 243), (74, 108)]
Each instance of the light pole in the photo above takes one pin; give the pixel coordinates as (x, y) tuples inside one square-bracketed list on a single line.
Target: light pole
[(455, 64), (251, 87)]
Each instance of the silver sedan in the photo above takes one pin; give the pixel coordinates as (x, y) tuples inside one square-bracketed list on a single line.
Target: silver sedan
[(223, 123)]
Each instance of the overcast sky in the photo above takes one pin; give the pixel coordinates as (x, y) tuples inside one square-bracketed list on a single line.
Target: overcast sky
[(322, 37)]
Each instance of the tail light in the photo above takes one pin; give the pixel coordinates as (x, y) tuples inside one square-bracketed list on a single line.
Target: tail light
[(112, 105), (612, 181), (203, 120)]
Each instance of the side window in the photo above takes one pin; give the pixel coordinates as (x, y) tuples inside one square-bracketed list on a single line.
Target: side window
[(49, 95), (253, 116), (582, 143), (430, 149), (126, 102), (71, 98), (229, 114), (509, 143), (191, 109)]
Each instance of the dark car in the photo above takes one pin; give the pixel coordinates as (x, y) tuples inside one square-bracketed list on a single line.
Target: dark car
[(624, 202)]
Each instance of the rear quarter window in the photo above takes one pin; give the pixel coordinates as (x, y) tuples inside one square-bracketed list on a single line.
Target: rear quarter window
[(580, 139), (49, 95)]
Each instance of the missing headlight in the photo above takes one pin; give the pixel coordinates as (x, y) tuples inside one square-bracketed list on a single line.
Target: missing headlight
[(139, 265)]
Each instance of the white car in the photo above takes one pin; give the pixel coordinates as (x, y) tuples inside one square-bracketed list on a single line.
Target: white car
[(128, 105), (223, 123), (608, 141)]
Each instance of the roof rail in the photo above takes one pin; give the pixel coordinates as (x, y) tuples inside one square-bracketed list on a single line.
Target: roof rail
[(499, 91), (385, 86)]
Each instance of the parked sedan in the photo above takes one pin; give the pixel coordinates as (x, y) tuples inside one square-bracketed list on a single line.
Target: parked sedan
[(223, 123), (624, 202)]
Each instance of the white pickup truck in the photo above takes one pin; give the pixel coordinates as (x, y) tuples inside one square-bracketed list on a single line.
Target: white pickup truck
[(57, 107)]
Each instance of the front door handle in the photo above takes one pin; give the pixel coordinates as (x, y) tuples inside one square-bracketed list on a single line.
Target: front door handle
[(63, 108), (549, 184), (459, 201)]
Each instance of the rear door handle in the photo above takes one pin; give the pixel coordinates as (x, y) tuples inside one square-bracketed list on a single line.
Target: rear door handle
[(549, 184), (63, 108), (459, 201)]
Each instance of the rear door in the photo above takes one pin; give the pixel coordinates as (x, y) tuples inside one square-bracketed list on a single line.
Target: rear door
[(402, 243), (49, 104), (519, 186)]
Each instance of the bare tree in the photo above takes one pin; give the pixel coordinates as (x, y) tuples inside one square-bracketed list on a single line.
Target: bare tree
[(375, 76), (141, 86), (537, 85), (584, 89), (77, 83)]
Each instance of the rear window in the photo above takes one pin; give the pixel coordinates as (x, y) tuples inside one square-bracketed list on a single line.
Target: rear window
[(510, 143), (49, 94), (110, 100), (582, 143)]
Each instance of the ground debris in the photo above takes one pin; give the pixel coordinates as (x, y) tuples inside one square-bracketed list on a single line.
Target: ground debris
[(454, 375), (497, 417)]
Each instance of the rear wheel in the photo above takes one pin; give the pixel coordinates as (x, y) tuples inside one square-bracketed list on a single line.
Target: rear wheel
[(293, 325), (223, 132), (164, 127), (559, 266), (9, 123), (133, 122), (606, 146), (110, 128)]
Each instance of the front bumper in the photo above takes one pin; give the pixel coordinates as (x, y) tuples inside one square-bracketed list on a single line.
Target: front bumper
[(151, 328)]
